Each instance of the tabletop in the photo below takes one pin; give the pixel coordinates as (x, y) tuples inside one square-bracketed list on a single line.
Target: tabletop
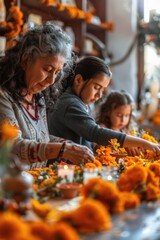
[(142, 223)]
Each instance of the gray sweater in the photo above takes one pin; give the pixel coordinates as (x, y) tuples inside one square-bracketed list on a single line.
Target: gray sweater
[(33, 135), (71, 120)]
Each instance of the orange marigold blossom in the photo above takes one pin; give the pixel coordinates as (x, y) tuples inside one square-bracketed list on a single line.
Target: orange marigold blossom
[(155, 167), (95, 164), (132, 178), (8, 131), (40, 229), (148, 137), (41, 209), (108, 25), (103, 156), (12, 225), (105, 192), (89, 212), (63, 231), (152, 192), (115, 146), (134, 160), (60, 7), (130, 200), (49, 2), (25, 237), (151, 178), (46, 182), (88, 17), (156, 118)]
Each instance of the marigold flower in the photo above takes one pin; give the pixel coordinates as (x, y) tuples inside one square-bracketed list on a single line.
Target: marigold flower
[(89, 212), (133, 177), (105, 192), (40, 229), (11, 225), (130, 200), (8, 131), (63, 231), (152, 192), (41, 209), (151, 178), (150, 138), (155, 167)]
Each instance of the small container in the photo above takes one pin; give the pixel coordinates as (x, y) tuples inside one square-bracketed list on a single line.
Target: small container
[(66, 172), (69, 190), (90, 173), (110, 173)]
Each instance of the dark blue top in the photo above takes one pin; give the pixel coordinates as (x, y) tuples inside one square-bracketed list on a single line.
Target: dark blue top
[(71, 120)]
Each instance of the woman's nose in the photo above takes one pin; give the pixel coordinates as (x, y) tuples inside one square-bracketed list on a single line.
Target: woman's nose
[(51, 78)]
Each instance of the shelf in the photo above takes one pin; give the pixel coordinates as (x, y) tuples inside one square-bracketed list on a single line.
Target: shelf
[(79, 26), (47, 12)]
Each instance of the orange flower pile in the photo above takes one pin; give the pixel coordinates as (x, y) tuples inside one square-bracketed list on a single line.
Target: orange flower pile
[(90, 216), (144, 181), (103, 156), (115, 146), (14, 21), (108, 194), (75, 12), (14, 227)]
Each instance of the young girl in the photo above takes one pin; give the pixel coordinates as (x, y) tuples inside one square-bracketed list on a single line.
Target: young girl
[(71, 119), (117, 112)]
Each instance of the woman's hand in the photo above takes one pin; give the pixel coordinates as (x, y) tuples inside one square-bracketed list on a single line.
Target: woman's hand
[(77, 154)]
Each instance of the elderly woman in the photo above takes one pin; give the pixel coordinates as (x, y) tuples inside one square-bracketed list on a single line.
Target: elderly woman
[(26, 72)]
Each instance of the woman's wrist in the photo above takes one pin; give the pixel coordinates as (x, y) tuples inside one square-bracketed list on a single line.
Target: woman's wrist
[(61, 151)]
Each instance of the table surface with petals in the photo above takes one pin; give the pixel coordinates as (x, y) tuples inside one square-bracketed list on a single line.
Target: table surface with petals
[(142, 223)]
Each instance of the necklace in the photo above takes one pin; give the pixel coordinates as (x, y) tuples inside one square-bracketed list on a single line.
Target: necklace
[(31, 108), (29, 104)]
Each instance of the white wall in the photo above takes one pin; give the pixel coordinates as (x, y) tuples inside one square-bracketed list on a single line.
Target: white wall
[(124, 15)]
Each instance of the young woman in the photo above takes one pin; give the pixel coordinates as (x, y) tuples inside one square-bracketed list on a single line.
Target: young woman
[(26, 72), (86, 83)]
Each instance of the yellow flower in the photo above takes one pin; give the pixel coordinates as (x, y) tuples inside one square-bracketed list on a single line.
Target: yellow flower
[(8, 132), (41, 209)]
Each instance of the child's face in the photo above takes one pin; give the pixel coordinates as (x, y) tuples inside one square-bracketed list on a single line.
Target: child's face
[(93, 89), (120, 117)]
